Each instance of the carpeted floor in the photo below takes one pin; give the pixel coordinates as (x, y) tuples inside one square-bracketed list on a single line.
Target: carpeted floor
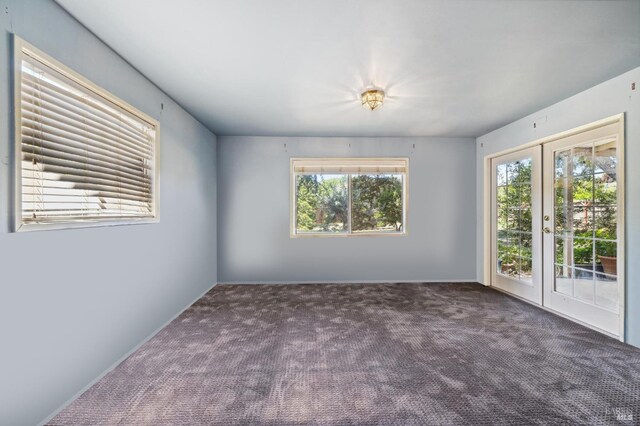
[(367, 354)]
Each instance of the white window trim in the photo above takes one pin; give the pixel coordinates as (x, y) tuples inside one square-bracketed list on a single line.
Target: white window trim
[(292, 200), (22, 49)]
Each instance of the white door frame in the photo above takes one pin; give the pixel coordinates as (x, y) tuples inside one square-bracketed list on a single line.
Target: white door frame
[(487, 225)]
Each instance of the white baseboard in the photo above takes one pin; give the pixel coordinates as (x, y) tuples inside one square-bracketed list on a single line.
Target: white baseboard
[(470, 280), (122, 358)]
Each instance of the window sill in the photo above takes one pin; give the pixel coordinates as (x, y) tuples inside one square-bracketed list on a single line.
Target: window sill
[(346, 235), (56, 226)]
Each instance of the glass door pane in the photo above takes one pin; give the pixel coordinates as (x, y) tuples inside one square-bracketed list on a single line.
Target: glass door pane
[(585, 210), (514, 226)]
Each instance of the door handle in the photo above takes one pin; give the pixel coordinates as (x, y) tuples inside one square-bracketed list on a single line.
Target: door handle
[(546, 230)]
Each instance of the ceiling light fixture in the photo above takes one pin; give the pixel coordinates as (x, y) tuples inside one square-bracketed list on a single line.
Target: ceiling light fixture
[(372, 98)]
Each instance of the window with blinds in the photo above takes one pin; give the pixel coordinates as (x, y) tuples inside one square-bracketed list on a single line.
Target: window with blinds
[(82, 155), (348, 196)]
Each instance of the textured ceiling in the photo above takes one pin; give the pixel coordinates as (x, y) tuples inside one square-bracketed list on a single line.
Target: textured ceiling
[(291, 67)]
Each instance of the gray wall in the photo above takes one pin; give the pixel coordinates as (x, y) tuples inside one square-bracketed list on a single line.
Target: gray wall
[(253, 214), (609, 98), (73, 302)]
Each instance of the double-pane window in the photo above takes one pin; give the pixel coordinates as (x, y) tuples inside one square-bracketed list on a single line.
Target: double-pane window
[(349, 196)]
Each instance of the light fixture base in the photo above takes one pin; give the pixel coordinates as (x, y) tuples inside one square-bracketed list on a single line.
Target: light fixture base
[(372, 98)]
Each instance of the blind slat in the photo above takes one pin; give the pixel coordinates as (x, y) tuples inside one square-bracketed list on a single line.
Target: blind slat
[(52, 180), (97, 106), (34, 204), (41, 104), (44, 153), (73, 147), (44, 186), (43, 125), (35, 198), (117, 172), (63, 216), (84, 209), (81, 206), (119, 195), (111, 176)]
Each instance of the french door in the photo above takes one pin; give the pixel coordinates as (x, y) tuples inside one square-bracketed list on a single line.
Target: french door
[(557, 225), (517, 204), (582, 228)]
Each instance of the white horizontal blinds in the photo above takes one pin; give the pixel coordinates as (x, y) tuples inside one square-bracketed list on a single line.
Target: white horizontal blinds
[(83, 156), (350, 165)]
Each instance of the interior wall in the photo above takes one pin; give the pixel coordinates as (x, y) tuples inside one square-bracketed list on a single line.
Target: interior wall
[(612, 97), (254, 218), (73, 302)]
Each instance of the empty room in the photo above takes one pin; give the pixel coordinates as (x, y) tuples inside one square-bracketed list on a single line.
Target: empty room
[(319, 212)]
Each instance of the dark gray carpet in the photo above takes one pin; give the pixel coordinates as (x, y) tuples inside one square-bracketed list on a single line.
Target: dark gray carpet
[(367, 354)]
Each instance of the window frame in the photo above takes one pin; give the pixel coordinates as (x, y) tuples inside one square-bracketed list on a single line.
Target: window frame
[(293, 198), (22, 50)]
